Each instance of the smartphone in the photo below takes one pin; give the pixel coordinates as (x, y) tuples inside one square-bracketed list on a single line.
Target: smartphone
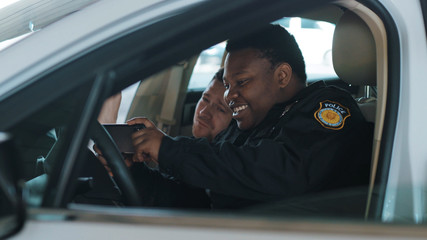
[(122, 135)]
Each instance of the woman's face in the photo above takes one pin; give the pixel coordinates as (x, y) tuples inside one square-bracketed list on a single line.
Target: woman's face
[(212, 115)]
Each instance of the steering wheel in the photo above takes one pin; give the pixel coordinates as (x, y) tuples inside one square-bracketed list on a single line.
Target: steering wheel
[(116, 162)]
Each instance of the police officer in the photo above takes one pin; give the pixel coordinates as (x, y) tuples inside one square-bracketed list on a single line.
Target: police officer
[(288, 139)]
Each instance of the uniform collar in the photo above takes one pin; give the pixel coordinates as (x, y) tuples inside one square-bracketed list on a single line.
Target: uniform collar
[(300, 95), (277, 110), (305, 92)]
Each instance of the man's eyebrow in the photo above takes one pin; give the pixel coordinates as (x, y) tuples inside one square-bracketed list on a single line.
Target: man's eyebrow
[(236, 74), (239, 73)]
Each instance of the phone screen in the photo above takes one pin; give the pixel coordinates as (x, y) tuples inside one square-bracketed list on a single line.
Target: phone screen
[(122, 135)]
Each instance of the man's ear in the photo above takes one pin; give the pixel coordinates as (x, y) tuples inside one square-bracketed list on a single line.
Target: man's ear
[(283, 74)]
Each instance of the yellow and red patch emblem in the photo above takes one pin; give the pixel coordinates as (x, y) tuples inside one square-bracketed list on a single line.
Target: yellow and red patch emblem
[(332, 115)]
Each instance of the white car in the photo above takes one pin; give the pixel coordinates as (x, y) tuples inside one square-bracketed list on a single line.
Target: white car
[(54, 81)]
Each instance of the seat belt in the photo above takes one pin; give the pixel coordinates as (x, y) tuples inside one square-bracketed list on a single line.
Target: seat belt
[(166, 118)]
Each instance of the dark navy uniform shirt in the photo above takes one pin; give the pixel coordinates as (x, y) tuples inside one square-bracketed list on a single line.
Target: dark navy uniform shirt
[(318, 140)]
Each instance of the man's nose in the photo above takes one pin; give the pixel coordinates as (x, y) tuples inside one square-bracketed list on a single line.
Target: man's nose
[(205, 112), (230, 95)]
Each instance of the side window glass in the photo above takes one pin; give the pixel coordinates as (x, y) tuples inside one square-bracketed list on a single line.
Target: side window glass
[(12, 212), (128, 95), (207, 65), (307, 23), (313, 37), (285, 22), (39, 137), (315, 40)]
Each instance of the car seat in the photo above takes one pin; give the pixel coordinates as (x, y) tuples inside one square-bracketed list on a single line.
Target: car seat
[(354, 60)]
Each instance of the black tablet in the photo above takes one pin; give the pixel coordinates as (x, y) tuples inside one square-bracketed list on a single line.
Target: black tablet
[(121, 134)]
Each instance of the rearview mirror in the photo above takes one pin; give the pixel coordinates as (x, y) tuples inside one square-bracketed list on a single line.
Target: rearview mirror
[(12, 211)]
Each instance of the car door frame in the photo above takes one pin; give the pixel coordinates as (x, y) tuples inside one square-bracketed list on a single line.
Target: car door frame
[(150, 57)]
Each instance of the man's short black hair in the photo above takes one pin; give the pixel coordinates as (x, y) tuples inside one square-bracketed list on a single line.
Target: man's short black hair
[(276, 44), (219, 75)]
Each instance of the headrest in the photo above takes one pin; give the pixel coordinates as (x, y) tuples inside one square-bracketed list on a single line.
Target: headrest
[(353, 51)]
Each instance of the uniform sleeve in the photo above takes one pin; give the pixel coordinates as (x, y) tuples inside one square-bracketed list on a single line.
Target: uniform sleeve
[(255, 172), (304, 156)]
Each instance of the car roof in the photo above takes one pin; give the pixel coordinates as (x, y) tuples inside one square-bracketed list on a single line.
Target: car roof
[(21, 17), (75, 34)]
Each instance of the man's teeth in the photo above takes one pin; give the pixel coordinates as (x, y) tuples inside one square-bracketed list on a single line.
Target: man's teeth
[(240, 108)]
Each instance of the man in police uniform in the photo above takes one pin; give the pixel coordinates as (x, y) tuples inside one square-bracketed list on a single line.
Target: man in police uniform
[(287, 140)]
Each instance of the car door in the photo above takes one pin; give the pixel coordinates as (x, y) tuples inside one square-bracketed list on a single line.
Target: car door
[(64, 100)]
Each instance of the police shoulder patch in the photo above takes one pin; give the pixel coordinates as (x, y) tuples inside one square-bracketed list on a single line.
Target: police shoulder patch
[(332, 115)]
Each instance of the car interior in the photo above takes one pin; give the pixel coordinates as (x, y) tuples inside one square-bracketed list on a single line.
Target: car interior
[(359, 60)]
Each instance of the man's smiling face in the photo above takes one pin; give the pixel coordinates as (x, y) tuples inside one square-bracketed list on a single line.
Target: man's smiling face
[(212, 115), (251, 90)]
